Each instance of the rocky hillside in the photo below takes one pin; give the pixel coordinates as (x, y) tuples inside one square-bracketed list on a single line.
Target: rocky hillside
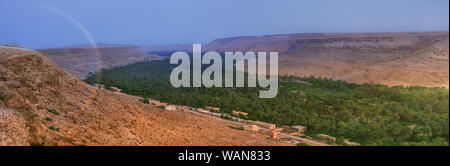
[(40, 104), (82, 60), (386, 58)]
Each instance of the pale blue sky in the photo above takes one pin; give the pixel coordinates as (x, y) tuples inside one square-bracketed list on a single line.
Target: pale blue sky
[(53, 23)]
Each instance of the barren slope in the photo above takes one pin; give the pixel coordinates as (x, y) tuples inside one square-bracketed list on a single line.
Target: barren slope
[(40, 103), (391, 59)]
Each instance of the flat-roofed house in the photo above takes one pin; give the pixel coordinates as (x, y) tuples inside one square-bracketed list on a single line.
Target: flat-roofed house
[(349, 143), (212, 108), (154, 102), (251, 127), (263, 124), (159, 104), (300, 129), (237, 113), (237, 119), (216, 114), (115, 89), (273, 134), (171, 107), (294, 133), (202, 110), (278, 129)]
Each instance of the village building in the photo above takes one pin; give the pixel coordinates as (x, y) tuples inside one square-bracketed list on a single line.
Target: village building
[(154, 102), (237, 119), (251, 127), (212, 108), (349, 143), (115, 89), (294, 133), (99, 86), (158, 103), (202, 110), (216, 114), (300, 129), (273, 134), (184, 108), (327, 137), (249, 121), (263, 124), (237, 113), (278, 129), (171, 107)]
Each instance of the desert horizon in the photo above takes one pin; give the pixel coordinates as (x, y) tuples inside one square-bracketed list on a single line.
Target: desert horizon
[(85, 63)]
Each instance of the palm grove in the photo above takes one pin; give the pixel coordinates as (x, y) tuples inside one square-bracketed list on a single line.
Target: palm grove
[(366, 113)]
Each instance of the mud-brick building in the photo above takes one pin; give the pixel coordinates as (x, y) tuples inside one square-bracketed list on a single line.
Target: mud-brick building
[(262, 124), (215, 109), (299, 129), (237, 113), (170, 107), (273, 134), (251, 127)]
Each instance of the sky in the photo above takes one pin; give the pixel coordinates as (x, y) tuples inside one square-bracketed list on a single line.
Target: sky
[(56, 23)]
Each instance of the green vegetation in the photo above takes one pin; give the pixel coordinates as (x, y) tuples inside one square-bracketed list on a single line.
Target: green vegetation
[(145, 101), (48, 119), (53, 111), (302, 144), (340, 140), (53, 128), (225, 117), (368, 114), (37, 144)]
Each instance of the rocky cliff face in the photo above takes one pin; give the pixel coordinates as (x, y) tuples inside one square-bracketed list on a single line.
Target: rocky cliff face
[(43, 105), (283, 43), (373, 42), (386, 58), (81, 61), (391, 59), (267, 43)]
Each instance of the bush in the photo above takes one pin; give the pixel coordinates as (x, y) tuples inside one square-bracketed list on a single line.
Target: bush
[(48, 119), (53, 111), (37, 144)]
